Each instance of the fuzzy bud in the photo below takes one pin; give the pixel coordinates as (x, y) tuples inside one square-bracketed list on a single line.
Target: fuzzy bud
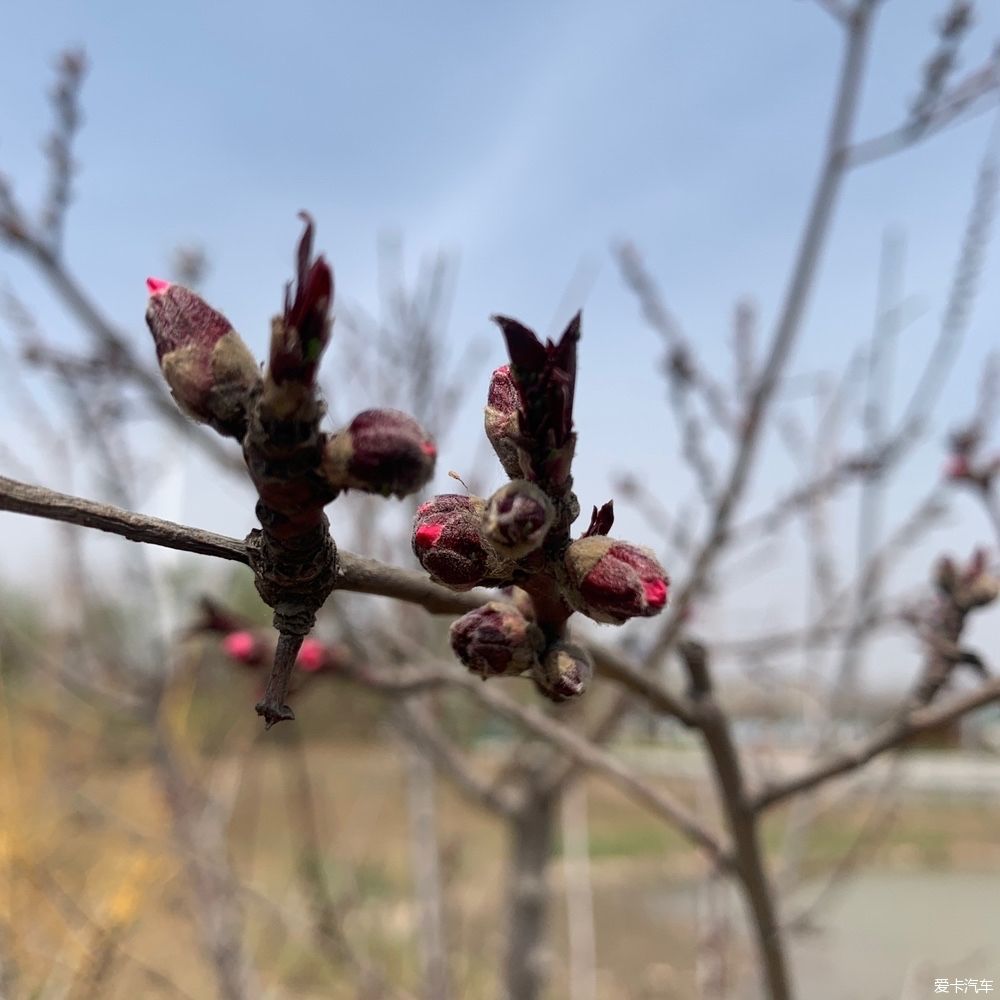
[(613, 581), (210, 371), (380, 451), (501, 419), (448, 540), (517, 518), (495, 640), (565, 671)]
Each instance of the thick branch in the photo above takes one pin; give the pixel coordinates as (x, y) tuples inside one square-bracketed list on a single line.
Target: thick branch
[(742, 822)]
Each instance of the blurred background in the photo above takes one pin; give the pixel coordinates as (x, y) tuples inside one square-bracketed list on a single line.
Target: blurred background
[(653, 164)]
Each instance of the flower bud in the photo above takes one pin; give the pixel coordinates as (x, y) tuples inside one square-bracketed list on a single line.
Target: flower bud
[(311, 658), (612, 581), (496, 639), (380, 451), (517, 518), (565, 671), (448, 540), (244, 647), (210, 371), (501, 418), (300, 335)]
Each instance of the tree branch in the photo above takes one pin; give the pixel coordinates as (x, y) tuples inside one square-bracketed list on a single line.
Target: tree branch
[(887, 737), (355, 573)]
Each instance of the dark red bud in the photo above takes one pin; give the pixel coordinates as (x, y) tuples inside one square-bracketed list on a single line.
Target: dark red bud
[(209, 369), (495, 640), (565, 671), (381, 451), (517, 518), (613, 581), (300, 335)]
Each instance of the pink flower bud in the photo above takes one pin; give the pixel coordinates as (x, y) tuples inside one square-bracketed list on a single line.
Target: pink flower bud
[(517, 518), (565, 671), (209, 369), (448, 540), (613, 581), (312, 657), (496, 639), (380, 451), (501, 419), (244, 647)]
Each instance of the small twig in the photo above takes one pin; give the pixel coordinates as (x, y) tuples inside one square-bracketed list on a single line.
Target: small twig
[(66, 101), (888, 736), (447, 760)]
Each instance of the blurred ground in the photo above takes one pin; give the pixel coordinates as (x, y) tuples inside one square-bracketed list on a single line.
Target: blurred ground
[(91, 875)]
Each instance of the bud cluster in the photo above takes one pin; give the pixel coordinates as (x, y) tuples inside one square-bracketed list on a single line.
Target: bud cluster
[(216, 380), (296, 468), (519, 537)]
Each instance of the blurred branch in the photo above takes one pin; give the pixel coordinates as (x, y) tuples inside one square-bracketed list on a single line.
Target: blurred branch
[(40, 246), (740, 817), (413, 722), (976, 93), (201, 839), (66, 102), (327, 914), (887, 737), (803, 273)]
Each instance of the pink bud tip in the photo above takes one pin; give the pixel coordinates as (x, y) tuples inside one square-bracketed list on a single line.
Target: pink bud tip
[(312, 656), (240, 646), (957, 467), (427, 447), (427, 534), (656, 592), (157, 286)]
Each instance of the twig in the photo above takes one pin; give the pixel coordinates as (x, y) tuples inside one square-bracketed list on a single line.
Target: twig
[(447, 759), (978, 92), (888, 736)]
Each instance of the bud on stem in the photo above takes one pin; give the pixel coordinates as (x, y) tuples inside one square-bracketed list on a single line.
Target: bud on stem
[(612, 581), (565, 671), (496, 640), (210, 371), (517, 518), (380, 451), (449, 542)]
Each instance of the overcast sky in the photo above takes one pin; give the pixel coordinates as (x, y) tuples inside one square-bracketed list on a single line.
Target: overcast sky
[(525, 139)]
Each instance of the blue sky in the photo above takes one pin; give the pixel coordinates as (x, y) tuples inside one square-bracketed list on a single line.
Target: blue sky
[(525, 139)]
